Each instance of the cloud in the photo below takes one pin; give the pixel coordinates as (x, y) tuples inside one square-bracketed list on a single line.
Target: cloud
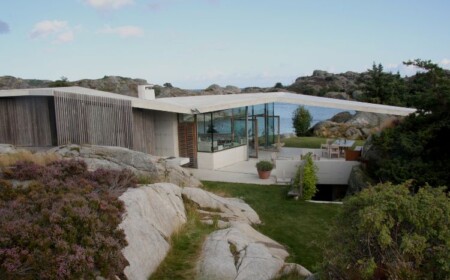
[(445, 62), (47, 27), (58, 30), (65, 37), (123, 31), (4, 27), (109, 4)]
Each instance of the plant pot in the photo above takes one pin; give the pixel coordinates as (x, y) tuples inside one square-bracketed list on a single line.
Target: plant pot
[(263, 174)]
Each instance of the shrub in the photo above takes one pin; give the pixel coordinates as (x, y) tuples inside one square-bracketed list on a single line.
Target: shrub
[(309, 178), (62, 225), (387, 232), (306, 178), (301, 120), (264, 165)]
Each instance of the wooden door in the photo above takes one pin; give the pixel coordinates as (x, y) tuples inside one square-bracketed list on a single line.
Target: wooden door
[(187, 142)]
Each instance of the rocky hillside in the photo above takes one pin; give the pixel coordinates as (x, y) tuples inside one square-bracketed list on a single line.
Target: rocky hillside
[(346, 85), (343, 86)]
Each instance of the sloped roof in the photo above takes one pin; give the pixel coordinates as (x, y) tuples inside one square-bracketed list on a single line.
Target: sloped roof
[(210, 103)]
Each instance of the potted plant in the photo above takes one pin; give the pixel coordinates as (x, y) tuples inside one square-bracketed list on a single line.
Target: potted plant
[(264, 167)]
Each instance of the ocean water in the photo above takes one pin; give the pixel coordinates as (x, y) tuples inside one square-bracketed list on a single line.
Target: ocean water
[(319, 114)]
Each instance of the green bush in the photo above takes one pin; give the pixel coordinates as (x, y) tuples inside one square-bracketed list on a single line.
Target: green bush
[(301, 120), (62, 224), (305, 178), (388, 232), (264, 165)]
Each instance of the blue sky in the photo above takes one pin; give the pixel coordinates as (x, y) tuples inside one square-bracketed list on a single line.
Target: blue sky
[(194, 43)]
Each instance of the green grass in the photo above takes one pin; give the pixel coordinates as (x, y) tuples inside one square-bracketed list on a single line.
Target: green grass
[(186, 245), (311, 142), (300, 226)]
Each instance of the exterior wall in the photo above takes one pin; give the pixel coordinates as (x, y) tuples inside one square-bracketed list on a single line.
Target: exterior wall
[(166, 134), (83, 119), (221, 159), (27, 121), (143, 131), (330, 172)]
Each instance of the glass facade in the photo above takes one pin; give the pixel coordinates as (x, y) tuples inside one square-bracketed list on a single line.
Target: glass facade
[(221, 130), (263, 124), (226, 129)]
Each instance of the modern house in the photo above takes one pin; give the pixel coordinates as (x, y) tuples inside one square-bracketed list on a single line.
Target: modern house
[(212, 131)]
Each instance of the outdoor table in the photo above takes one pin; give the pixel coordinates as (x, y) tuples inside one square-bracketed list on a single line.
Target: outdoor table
[(344, 144)]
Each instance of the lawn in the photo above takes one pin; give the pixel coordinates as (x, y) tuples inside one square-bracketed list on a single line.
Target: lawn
[(310, 142), (300, 226)]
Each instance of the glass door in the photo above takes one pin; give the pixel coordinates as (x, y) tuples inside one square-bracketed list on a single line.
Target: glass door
[(252, 137)]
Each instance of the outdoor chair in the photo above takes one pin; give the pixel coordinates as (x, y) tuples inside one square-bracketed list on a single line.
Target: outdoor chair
[(330, 141), (334, 150), (325, 149)]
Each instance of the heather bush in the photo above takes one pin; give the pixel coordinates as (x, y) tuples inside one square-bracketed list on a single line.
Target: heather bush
[(64, 223)]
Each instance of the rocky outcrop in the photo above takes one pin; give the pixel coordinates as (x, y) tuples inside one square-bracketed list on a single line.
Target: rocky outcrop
[(152, 214), (228, 209), (240, 252), (322, 82), (156, 169), (358, 180), (359, 126), (337, 95), (7, 149), (116, 84), (237, 251)]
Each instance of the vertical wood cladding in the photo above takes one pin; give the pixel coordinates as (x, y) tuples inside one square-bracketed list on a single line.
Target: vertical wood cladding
[(84, 119), (143, 131), (187, 142), (26, 121)]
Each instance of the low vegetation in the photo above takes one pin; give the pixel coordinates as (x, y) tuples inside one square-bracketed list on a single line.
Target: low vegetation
[(185, 248), (390, 232), (60, 221), (25, 155), (300, 226)]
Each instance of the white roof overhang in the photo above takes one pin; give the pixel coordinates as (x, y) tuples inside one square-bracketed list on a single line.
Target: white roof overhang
[(211, 103)]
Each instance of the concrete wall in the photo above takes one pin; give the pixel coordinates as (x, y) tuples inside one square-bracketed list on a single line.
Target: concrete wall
[(166, 134), (330, 172), (221, 159)]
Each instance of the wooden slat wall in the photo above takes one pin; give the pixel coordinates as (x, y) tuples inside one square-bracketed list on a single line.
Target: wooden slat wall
[(143, 131), (84, 119), (187, 142), (25, 121)]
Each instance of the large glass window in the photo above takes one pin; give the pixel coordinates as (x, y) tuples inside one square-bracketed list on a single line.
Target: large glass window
[(221, 130)]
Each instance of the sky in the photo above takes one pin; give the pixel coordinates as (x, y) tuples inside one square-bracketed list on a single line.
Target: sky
[(195, 43)]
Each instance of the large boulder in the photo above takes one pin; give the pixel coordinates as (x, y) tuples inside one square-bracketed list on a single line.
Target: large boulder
[(7, 149), (358, 180), (358, 126), (157, 169), (229, 209), (241, 252), (152, 214)]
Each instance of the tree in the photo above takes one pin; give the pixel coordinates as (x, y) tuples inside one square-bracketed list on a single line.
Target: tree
[(62, 82), (384, 88), (305, 179), (301, 120), (417, 148), (278, 85), (168, 85), (389, 232)]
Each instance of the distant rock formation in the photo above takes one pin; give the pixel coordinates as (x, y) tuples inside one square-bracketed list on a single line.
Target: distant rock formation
[(322, 83)]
